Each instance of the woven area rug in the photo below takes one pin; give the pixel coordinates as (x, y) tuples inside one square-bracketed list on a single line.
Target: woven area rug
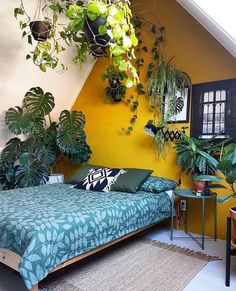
[(136, 265)]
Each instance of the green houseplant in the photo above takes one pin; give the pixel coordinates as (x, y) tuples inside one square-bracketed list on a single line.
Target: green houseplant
[(96, 26), (226, 168), (165, 80), (115, 90), (194, 156), (28, 162)]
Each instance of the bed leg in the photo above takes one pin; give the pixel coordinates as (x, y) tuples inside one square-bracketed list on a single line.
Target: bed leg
[(35, 288)]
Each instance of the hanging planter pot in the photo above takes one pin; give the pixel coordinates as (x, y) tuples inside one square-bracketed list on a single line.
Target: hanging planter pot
[(40, 30), (114, 87), (92, 34), (97, 50)]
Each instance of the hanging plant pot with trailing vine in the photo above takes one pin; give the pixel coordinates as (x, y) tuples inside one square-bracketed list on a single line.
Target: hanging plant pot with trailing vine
[(40, 30), (102, 28), (115, 90), (98, 42)]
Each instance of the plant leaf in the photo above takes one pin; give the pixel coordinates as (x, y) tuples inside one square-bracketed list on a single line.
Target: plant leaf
[(37, 102)]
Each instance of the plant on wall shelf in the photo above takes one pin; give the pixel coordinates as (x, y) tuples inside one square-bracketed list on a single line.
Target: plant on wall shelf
[(95, 26), (115, 90), (28, 162)]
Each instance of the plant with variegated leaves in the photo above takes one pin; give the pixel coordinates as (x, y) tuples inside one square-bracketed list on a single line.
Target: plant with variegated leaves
[(116, 25)]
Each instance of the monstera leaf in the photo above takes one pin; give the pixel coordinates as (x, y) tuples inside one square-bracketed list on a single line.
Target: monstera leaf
[(30, 172), (18, 121), (71, 135), (11, 152), (72, 119), (82, 156), (37, 102), (47, 154)]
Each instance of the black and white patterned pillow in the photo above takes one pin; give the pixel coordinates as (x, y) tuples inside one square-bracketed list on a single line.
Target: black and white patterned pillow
[(100, 179)]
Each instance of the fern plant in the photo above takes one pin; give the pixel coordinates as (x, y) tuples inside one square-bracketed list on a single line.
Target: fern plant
[(28, 162)]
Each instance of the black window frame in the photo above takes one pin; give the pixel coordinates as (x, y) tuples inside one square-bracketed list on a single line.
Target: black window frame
[(198, 90)]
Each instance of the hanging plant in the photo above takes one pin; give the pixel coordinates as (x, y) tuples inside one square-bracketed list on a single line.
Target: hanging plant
[(165, 79), (96, 27), (115, 90)]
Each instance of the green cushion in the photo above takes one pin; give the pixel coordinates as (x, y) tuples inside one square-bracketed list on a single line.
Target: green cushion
[(130, 181)]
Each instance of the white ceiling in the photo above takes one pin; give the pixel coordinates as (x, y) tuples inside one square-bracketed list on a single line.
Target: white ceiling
[(218, 17)]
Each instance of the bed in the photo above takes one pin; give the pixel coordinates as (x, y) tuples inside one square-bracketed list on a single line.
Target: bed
[(45, 228)]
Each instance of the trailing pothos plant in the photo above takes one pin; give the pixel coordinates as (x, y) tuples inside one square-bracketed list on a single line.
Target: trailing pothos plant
[(28, 161), (115, 91), (100, 27)]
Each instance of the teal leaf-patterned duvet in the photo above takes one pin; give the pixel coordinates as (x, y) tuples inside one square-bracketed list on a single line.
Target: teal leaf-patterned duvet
[(47, 225)]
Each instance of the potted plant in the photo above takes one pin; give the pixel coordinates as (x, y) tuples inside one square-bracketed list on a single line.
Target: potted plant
[(226, 171), (194, 157), (115, 90), (28, 162), (40, 30), (96, 26)]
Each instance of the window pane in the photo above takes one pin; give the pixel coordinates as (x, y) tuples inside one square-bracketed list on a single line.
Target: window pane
[(204, 130), (211, 96), (209, 128), (218, 95), (205, 97), (217, 127), (223, 95)]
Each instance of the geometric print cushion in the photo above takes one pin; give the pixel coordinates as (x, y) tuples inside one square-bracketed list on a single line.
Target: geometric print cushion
[(158, 185), (100, 179)]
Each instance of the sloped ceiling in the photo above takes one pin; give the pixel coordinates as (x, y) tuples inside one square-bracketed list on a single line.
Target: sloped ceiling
[(212, 24), (18, 75)]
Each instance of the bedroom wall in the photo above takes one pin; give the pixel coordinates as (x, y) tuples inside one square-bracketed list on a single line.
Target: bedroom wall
[(18, 75), (198, 54)]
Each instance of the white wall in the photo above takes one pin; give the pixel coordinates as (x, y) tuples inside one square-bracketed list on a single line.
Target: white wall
[(18, 75)]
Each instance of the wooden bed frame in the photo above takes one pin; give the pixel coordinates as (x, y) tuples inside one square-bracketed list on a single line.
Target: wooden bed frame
[(12, 259)]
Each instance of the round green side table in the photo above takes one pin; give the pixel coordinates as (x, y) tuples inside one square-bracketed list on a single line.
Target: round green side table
[(189, 194)]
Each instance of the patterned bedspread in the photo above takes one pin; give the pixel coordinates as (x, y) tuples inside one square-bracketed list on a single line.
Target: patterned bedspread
[(50, 224)]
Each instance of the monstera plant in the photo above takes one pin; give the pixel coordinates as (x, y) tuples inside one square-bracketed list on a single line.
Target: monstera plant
[(102, 28), (28, 161)]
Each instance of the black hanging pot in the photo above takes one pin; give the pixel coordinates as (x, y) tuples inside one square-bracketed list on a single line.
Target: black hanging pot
[(114, 87), (97, 50), (92, 34), (40, 30), (114, 83)]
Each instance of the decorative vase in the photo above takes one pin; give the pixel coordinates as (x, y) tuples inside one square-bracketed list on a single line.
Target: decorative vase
[(92, 34), (40, 30), (200, 186)]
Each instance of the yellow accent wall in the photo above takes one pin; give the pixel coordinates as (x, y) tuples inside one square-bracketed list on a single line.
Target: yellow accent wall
[(198, 54)]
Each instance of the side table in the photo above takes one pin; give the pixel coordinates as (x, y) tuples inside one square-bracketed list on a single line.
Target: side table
[(188, 194)]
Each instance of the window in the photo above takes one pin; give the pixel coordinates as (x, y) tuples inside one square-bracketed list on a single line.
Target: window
[(214, 109)]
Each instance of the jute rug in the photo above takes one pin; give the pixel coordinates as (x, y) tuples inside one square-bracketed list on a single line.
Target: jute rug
[(140, 264)]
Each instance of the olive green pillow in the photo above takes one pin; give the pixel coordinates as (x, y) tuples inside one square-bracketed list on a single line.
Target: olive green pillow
[(130, 181)]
